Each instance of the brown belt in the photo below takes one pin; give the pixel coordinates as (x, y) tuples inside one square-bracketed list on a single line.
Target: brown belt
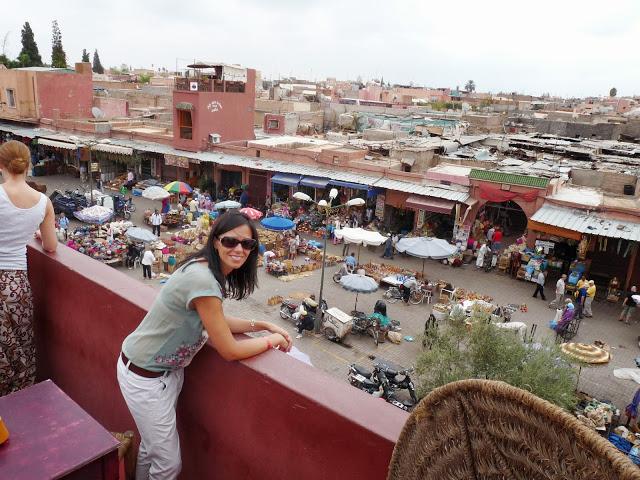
[(143, 372)]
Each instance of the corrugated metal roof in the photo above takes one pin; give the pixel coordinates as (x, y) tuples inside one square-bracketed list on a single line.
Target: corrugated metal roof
[(589, 223), (264, 164), (426, 190), (510, 178)]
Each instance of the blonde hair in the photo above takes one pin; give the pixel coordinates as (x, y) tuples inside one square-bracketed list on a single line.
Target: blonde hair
[(15, 157)]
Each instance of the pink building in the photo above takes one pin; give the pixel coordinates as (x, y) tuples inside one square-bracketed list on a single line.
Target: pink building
[(214, 104)]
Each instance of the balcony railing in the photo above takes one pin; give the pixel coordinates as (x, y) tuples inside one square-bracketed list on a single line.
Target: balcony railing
[(208, 85), (270, 417)]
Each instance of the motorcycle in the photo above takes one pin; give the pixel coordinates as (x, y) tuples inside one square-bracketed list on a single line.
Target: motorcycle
[(67, 202), (289, 307), (122, 207), (384, 381)]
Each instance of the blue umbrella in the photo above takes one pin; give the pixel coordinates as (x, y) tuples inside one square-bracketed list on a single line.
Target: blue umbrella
[(277, 223), (359, 284)]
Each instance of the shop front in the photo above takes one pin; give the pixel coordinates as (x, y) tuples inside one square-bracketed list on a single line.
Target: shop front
[(398, 217), (258, 188), (54, 157), (175, 168), (602, 247), (283, 186), (434, 217)]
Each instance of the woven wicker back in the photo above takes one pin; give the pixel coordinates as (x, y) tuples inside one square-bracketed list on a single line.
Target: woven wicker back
[(487, 430)]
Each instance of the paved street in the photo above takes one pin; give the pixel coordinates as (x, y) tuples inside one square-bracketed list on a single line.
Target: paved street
[(334, 358)]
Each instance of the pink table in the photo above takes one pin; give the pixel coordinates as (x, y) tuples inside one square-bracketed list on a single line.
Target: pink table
[(52, 437)]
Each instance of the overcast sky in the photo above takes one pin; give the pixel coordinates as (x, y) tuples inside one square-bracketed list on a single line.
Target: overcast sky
[(564, 47)]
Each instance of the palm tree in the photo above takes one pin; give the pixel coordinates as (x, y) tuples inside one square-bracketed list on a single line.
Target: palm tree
[(613, 92), (470, 86)]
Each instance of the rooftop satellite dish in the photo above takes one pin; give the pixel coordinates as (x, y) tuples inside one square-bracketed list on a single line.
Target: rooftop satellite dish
[(97, 113)]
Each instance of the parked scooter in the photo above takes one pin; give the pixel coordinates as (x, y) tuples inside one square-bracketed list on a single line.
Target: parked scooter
[(67, 202), (384, 381), (363, 323), (289, 307)]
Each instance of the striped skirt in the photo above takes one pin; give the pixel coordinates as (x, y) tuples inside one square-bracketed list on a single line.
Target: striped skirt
[(17, 348)]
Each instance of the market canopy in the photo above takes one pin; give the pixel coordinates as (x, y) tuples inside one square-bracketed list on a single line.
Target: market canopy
[(277, 223), (106, 147), (426, 247), (429, 204), (360, 236), (178, 187), (315, 182), (290, 179), (57, 144), (96, 214), (583, 221), (358, 283)]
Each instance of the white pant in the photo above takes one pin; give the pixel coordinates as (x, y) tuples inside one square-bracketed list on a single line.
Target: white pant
[(587, 307), (152, 402)]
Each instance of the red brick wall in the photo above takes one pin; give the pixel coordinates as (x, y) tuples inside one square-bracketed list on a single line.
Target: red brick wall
[(271, 417), (69, 93)]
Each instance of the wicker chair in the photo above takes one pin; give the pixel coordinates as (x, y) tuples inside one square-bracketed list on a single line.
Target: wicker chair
[(480, 429)]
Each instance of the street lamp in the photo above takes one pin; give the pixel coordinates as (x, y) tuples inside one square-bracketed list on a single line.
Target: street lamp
[(89, 144), (325, 210)]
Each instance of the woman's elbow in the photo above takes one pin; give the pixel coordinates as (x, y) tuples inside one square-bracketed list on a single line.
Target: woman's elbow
[(50, 246)]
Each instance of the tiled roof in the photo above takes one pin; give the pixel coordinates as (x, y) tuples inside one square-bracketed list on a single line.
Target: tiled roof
[(587, 222), (509, 178)]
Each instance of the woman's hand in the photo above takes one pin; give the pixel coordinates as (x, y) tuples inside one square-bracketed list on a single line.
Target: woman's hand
[(279, 330), (280, 342)]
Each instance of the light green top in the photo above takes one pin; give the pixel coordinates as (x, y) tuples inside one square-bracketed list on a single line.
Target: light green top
[(172, 333)]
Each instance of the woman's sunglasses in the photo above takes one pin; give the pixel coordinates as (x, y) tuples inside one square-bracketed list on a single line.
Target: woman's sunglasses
[(230, 242)]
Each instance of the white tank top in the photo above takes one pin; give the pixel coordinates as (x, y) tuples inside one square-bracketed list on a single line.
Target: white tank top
[(17, 226)]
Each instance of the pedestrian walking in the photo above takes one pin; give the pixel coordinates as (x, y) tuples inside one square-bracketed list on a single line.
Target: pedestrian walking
[(540, 286), (147, 260), (388, 248), (581, 296), (591, 293), (628, 306), (156, 221), (560, 289)]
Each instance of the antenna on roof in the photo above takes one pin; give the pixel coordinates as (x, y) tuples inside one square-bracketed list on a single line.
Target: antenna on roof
[(97, 113)]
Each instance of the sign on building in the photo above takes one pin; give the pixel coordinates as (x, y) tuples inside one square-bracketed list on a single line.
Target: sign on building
[(176, 161), (379, 213)]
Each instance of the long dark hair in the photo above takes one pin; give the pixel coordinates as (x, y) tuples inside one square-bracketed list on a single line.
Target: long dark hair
[(241, 282)]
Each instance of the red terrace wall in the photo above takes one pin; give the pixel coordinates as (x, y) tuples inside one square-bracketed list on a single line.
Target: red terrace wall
[(70, 93), (270, 417), (232, 121)]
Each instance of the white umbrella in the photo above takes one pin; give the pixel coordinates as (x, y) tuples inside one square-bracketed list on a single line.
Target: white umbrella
[(359, 284), (155, 193), (95, 214), (426, 247), (141, 235), (227, 205), (360, 236)]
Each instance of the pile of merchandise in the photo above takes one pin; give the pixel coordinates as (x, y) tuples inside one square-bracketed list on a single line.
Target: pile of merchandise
[(378, 271), (93, 241)]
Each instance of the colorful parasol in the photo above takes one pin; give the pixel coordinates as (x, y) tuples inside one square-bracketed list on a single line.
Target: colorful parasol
[(252, 213), (178, 187)]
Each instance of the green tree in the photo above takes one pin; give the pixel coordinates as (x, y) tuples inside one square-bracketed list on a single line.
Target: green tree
[(486, 352), (85, 56), (613, 92), (470, 86), (97, 66), (58, 57), (144, 78), (29, 52)]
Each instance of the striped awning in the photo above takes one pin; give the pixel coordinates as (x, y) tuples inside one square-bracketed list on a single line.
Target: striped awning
[(184, 106), (106, 147), (56, 143)]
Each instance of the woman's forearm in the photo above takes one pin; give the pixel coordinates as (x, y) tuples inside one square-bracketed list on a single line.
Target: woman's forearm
[(240, 325)]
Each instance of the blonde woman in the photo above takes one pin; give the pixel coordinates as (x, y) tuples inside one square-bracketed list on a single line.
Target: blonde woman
[(23, 213)]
